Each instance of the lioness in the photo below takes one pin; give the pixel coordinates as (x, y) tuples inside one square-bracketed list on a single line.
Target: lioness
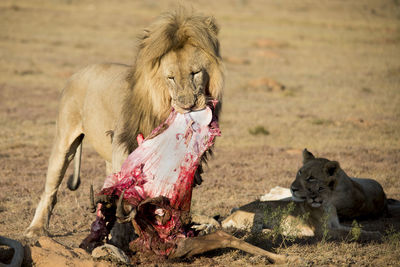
[(352, 197)]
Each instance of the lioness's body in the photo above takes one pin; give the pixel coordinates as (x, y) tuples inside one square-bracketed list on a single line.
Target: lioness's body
[(352, 197), (256, 216), (293, 218), (358, 197)]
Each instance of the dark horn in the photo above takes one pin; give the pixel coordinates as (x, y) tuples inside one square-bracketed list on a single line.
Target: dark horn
[(120, 213), (92, 204), (105, 199), (120, 209)]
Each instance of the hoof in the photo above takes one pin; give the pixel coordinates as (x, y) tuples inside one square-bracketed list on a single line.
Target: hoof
[(34, 232)]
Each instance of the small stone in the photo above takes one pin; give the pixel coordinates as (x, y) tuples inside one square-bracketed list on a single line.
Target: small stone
[(111, 251)]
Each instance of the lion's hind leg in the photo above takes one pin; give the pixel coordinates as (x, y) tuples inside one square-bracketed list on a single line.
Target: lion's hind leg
[(68, 137), (354, 234)]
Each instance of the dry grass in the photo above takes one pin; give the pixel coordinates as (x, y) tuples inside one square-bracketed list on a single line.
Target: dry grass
[(338, 60)]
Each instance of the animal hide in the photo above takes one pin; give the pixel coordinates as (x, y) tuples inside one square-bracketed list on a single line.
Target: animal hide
[(158, 178)]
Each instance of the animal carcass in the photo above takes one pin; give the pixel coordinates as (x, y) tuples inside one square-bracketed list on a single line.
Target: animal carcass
[(153, 190)]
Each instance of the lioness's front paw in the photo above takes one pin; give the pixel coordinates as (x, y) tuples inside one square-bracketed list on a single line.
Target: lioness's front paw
[(205, 228)]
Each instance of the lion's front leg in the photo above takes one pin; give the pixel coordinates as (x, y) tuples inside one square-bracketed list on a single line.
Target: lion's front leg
[(204, 224), (63, 152)]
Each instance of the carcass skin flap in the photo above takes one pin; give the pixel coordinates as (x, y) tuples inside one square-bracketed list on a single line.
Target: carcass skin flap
[(164, 164)]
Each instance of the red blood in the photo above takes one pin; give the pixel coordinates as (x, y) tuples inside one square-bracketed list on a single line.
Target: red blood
[(150, 172)]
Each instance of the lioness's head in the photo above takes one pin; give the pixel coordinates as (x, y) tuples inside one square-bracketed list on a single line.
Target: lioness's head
[(315, 180), (179, 61)]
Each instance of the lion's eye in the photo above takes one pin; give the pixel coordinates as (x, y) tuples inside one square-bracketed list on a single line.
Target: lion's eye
[(299, 173), (311, 179), (171, 78), (195, 73), (320, 189)]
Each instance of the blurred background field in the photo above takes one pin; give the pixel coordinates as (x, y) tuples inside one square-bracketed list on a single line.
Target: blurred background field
[(322, 75)]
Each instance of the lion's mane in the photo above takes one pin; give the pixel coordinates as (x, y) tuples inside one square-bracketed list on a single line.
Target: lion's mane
[(148, 102)]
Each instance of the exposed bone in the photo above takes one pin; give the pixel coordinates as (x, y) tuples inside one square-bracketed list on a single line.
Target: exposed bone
[(18, 256)]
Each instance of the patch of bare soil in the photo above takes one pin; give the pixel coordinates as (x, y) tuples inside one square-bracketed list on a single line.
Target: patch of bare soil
[(337, 60)]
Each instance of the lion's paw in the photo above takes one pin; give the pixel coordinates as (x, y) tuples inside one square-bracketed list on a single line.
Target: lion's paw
[(205, 228), (35, 232)]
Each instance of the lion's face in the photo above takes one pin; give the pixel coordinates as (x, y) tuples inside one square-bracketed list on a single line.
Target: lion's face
[(316, 180), (177, 64), (186, 74)]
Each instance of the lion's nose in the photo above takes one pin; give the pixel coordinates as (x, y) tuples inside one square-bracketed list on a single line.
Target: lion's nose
[(294, 189), (186, 101)]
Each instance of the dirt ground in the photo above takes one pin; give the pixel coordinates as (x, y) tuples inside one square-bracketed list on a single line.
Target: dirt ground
[(336, 68)]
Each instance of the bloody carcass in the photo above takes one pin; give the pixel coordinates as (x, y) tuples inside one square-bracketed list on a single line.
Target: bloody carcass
[(153, 191)]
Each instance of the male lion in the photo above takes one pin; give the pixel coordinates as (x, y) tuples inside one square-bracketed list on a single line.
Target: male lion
[(352, 197), (178, 64)]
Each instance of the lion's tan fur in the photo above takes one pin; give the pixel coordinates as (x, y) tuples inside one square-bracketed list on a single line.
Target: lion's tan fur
[(147, 93), (121, 101)]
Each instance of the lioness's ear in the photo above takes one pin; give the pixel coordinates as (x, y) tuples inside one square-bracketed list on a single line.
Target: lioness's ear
[(332, 183), (331, 168), (212, 25), (307, 156)]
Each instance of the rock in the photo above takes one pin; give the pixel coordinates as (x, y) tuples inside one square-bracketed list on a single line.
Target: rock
[(110, 251)]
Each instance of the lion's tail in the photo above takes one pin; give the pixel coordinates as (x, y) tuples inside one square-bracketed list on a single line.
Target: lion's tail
[(75, 180)]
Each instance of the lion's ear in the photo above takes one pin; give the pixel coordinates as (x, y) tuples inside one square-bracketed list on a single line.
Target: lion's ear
[(307, 156), (145, 34), (212, 25), (331, 168)]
